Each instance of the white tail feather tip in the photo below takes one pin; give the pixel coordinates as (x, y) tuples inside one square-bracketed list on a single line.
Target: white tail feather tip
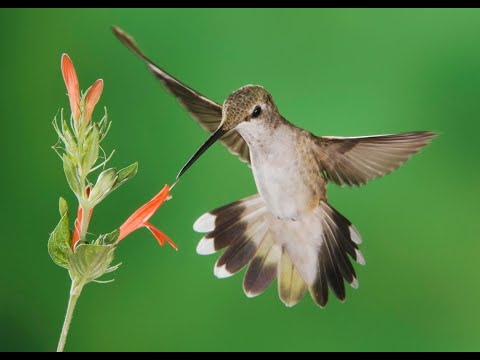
[(206, 247), (205, 223), (221, 272), (250, 295), (360, 258), (355, 236), (354, 283)]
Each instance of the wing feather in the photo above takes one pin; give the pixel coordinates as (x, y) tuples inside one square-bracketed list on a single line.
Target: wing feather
[(354, 161), (205, 111)]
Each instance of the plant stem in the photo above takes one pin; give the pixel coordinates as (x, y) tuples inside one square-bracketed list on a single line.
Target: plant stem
[(75, 292), (85, 222)]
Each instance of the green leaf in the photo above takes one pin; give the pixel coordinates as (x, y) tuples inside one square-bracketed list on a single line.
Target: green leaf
[(68, 140), (59, 243), (90, 261), (126, 174), (104, 125), (103, 187), (71, 175), (108, 239), (62, 206), (90, 148)]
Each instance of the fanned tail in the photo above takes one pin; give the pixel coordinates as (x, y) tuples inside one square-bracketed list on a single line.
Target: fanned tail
[(243, 230), (309, 254)]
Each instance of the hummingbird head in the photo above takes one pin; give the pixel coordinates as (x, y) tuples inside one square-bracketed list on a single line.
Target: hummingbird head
[(249, 103)]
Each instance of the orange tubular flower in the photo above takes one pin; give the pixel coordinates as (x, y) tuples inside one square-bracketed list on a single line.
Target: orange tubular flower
[(71, 81), (140, 219), (73, 89), (92, 98), (78, 222)]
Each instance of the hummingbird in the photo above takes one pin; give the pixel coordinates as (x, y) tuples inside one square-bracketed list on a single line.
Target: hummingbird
[(288, 229)]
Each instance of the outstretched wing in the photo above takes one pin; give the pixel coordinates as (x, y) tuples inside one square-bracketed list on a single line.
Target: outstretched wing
[(354, 161), (207, 112)]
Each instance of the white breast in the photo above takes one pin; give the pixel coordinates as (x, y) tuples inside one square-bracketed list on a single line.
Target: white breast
[(276, 167)]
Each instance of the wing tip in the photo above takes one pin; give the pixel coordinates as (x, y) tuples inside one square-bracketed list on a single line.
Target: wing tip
[(127, 40)]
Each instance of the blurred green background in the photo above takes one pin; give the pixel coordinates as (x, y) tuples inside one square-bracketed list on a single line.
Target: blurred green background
[(334, 72)]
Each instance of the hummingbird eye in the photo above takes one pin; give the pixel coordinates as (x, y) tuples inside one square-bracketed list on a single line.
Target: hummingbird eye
[(257, 111)]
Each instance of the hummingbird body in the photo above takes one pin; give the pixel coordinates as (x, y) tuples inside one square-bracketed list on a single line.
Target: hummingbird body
[(288, 230), (282, 168)]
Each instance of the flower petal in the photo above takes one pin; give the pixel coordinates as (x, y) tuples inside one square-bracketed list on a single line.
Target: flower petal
[(144, 213), (78, 221), (76, 232), (71, 81), (160, 236), (92, 98)]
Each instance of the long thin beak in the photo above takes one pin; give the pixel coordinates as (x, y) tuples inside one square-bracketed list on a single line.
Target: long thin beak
[(211, 140)]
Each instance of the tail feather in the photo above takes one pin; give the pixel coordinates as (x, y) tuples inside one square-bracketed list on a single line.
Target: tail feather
[(334, 277), (319, 289), (263, 268), (226, 224), (311, 253), (242, 250), (339, 240), (291, 286)]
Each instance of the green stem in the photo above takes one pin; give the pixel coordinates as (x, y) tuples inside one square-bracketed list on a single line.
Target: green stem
[(75, 292), (84, 224)]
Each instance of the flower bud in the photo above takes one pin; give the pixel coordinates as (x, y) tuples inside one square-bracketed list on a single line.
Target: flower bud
[(62, 206), (89, 262), (125, 174), (106, 180), (90, 150), (71, 174)]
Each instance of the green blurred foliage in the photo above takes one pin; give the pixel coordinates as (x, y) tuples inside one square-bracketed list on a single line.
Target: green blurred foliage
[(335, 72)]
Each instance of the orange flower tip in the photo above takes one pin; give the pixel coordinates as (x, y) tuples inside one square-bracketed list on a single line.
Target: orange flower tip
[(92, 98), (97, 86), (160, 236), (173, 245), (65, 57), (68, 70), (71, 82)]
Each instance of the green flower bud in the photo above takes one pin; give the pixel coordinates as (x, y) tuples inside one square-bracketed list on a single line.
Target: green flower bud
[(62, 206), (90, 150), (72, 176), (103, 187), (89, 262), (125, 174), (69, 141), (108, 239)]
